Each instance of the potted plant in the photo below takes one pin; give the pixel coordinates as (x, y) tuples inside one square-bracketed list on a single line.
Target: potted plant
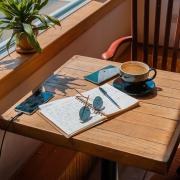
[(20, 17)]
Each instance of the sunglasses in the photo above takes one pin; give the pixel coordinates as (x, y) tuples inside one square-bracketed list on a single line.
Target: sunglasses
[(85, 111)]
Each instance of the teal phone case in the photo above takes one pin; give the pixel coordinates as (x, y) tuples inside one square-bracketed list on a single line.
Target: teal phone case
[(94, 77)]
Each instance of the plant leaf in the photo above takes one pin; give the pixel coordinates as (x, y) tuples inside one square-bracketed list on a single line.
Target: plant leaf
[(19, 15), (9, 42), (53, 20), (42, 19), (1, 32), (31, 37), (43, 4)]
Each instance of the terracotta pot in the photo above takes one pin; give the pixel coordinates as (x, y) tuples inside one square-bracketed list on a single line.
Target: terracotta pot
[(22, 44)]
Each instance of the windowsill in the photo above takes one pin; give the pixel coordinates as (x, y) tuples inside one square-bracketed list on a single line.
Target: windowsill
[(17, 68)]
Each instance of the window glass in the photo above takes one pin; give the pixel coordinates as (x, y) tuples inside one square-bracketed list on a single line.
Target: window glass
[(54, 5)]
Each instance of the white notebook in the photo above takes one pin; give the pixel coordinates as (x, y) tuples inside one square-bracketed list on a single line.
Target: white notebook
[(69, 116)]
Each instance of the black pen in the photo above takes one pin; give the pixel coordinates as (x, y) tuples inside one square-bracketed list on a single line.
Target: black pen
[(109, 97)]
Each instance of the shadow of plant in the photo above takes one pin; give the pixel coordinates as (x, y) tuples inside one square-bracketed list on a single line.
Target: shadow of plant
[(9, 64), (61, 83)]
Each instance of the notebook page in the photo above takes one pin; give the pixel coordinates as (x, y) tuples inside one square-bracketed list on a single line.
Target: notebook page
[(64, 114), (52, 103), (123, 100)]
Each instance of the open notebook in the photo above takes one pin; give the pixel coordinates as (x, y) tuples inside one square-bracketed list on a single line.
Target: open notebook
[(65, 114)]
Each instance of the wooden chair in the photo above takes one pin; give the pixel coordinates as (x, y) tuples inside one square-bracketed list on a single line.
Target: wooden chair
[(165, 63)]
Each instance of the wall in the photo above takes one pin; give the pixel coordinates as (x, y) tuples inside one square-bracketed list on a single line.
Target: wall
[(152, 19), (92, 43)]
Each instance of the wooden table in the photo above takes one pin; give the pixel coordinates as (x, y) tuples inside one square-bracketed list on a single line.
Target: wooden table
[(145, 137)]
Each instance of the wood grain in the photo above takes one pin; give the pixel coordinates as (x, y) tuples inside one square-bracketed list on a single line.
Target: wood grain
[(147, 134), (167, 33), (146, 29), (134, 29), (176, 45), (156, 32)]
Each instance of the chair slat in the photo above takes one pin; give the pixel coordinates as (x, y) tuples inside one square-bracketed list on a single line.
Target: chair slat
[(167, 34), (134, 29), (176, 45), (156, 32), (146, 30)]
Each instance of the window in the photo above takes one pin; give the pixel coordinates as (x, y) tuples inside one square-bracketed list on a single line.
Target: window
[(57, 8)]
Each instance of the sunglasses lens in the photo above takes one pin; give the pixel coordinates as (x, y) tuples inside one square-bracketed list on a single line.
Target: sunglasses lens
[(84, 114), (98, 103)]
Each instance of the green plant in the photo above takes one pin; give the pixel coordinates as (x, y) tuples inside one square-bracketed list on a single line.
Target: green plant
[(20, 15)]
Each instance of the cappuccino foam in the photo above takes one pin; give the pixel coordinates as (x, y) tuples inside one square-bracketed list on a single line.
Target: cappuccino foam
[(133, 68)]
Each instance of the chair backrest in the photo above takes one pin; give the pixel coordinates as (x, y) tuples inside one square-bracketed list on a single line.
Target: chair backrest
[(156, 33)]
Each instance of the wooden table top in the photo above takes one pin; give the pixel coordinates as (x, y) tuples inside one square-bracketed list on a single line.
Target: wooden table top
[(145, 137)]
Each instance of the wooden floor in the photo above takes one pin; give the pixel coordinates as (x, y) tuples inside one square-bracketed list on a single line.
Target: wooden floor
[(48, 163)]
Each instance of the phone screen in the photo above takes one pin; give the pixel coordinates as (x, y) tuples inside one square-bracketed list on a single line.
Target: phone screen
[(30, 105)]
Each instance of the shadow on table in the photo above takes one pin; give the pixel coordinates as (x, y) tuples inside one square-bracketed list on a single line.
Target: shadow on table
[(151, 95), (58, 84)]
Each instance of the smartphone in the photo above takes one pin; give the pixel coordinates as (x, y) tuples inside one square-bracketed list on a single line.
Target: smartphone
[(31, 104), (103, 75)]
